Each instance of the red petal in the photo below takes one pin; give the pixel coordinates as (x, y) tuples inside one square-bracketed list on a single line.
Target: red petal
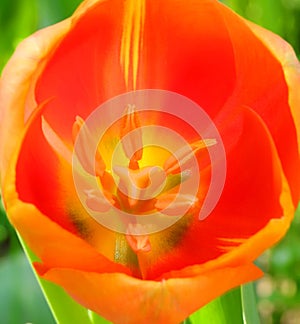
[(196, 62), (85, 69), (267, 69), (251, 198)]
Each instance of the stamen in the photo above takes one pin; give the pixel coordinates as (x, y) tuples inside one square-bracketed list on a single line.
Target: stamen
[(174, 180), (137, 241), (176, 204), (97, 201), (99, 165), (85, 144), (131, 135), (107, 182), (181, 158), (79, 122)]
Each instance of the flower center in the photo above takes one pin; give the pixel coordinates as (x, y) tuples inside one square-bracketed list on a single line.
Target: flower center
[(136, 174), (138, 178)]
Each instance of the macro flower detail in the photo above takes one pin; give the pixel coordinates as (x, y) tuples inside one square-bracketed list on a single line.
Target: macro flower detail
[(149, 153), (133, 186)]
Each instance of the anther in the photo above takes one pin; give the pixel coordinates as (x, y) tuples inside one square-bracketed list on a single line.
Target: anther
[(137, 241), (181, 158), (98, 201), (175, 204), (85, 144), (131, 136)]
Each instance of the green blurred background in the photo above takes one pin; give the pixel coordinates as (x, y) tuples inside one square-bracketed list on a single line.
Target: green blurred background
[(21, 301)]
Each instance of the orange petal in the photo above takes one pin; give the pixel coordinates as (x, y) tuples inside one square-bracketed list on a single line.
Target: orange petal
[(123, 299), (21, 73)]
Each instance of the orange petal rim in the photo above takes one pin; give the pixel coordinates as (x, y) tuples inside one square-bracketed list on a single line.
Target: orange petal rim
[(21, 73), (123, 299), (290, 65)]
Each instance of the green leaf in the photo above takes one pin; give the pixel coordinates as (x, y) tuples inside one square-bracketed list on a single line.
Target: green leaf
[(223, 310), (96, 319), (249, 304), (54, 11), (21, 300), (15, 25)]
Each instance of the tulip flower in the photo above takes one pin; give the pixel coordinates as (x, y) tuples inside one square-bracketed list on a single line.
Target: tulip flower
[(149, 153)]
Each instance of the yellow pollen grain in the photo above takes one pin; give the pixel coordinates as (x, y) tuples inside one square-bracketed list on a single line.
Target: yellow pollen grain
[(132, 39)]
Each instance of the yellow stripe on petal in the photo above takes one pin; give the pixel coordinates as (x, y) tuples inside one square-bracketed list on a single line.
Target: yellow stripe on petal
[(132, 40), (131, 134)]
